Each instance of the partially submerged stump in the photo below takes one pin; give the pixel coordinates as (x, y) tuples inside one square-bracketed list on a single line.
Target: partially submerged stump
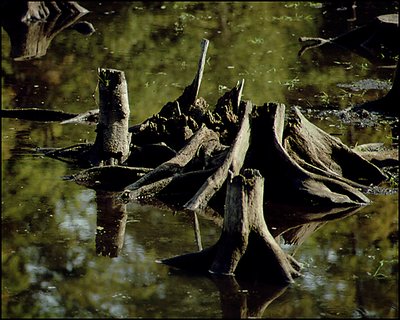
[(286, 180), (245, 248), (112, 144), (112, 140), (204, 161)]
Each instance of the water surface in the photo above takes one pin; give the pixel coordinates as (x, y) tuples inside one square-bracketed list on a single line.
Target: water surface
[(50, 227)]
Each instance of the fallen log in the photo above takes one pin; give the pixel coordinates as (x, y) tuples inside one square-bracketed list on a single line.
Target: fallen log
[(110, 178)]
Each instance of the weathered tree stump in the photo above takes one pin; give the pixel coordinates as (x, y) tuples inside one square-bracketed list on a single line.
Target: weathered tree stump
[(111, 146), (286, 180), (246, 247), (310, 145)]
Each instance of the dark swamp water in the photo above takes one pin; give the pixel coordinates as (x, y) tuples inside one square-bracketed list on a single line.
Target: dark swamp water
[(51, 228)]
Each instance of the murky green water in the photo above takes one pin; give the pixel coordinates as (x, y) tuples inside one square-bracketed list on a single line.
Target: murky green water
[(50, 261)]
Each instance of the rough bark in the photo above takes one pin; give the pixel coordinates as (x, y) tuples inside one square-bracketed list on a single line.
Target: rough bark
[(284, 175), (245, 248), (111, 146), (307, 142)]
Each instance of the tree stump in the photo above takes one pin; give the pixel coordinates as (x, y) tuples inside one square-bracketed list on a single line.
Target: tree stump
[(286, 180), (111, 146), (245, 248)]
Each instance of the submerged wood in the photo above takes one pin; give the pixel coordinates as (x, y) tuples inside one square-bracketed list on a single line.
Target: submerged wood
[(37, 114), (111, 178), (47, 115)]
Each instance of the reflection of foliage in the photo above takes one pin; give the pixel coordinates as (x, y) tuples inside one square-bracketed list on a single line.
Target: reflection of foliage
[(48, 251)]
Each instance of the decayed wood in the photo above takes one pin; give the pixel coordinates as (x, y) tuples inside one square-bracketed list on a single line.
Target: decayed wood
[(366, 40), (111, 146), (378, 154), (37, 114), (190, 93), (254, 248), (316, 147), (175, 164), (287, 180), (233, 162), (32, 25), (88, 117)]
